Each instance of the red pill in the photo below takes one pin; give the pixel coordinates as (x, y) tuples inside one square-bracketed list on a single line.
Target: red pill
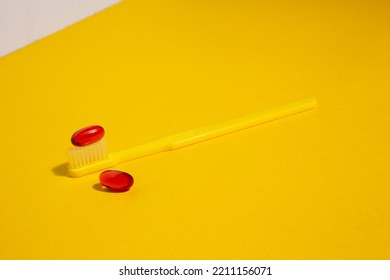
[(116, 181), (87, 135)]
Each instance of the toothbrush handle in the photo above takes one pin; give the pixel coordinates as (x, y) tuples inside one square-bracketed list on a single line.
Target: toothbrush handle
[(205, 133), (209, 132)]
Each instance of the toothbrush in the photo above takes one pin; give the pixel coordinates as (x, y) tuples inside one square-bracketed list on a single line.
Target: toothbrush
[(95, 157)]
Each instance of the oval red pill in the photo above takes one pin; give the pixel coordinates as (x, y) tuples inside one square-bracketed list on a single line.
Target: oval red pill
[(87, 135), (116, 181)]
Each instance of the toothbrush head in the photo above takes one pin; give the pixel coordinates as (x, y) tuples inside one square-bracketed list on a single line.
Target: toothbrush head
[(88, 159)]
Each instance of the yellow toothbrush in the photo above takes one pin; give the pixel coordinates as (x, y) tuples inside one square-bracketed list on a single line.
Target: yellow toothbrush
[(95, 157)]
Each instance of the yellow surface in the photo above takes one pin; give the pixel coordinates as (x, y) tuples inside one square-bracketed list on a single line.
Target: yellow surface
[(311, 186)]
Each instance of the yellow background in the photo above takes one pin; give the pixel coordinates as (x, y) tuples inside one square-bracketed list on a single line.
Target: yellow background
[(312, 186)]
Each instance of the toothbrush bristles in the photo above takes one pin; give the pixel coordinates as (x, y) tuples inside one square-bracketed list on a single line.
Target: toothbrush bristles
[(82, 156)]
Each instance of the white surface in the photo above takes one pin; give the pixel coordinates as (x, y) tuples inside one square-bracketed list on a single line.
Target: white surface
[(25, 21), (197, 270)]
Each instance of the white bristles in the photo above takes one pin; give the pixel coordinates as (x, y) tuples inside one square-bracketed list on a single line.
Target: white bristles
[(82, 156)]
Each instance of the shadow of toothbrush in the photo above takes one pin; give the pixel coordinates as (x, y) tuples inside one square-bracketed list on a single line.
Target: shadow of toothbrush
[(61, 170)]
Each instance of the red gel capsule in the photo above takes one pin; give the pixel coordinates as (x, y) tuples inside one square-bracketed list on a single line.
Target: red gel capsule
[(87, 135), (116, 181)]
